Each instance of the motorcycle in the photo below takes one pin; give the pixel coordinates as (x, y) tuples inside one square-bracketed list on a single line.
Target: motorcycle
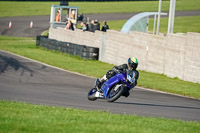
[(115, 87)]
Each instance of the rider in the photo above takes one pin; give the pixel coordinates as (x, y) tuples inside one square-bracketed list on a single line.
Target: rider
[(131, 66)]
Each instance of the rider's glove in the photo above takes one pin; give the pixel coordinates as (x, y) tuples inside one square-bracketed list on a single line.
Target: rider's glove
[(118, 71)]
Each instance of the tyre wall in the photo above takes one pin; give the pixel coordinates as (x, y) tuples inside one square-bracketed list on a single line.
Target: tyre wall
[(172, 54), (83, 51)]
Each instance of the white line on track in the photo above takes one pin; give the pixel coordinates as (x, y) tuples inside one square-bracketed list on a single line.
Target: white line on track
[(91, 76)]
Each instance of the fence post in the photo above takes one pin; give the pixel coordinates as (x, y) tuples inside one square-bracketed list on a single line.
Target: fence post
[(103, 47)]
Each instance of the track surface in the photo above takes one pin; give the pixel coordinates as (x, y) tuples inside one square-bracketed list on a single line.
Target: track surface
[(20, 25), (26, 80)]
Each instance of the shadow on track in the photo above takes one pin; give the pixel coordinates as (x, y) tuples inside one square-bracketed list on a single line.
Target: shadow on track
[(158, 105), (6, 62)]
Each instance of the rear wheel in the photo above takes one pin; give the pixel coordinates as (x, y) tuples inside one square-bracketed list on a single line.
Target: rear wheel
[(115, 93), (91, 94)]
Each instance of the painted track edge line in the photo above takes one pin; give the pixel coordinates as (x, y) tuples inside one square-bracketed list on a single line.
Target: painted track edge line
[(147, 89), (168, 93)]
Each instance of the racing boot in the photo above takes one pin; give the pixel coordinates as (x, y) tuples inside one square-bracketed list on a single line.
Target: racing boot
[(126, 93), (98, 84)]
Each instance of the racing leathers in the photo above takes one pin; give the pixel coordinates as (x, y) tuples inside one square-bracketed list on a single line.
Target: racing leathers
[(119, 69)]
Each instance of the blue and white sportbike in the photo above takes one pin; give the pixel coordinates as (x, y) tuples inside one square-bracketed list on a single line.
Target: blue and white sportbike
[(118, 85)]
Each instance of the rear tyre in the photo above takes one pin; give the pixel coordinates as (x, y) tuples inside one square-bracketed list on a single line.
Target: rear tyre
[(115, 93), (91, 94)]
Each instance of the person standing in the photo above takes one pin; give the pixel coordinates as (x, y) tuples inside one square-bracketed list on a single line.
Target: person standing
[(94, 25), (84, 27), (69, 25), (58, 16), (104, 26)]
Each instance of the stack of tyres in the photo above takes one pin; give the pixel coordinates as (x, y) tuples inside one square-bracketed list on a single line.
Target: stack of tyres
[(38, 40), (83, 51), (67, 46), (58, 46), (71, 48), (47, 45), (92, 53), (43, 42), (88, 52), (52, 44), (80, 49), (63, 49)]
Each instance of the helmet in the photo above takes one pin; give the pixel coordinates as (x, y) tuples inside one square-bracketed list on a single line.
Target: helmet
[(132, 63)]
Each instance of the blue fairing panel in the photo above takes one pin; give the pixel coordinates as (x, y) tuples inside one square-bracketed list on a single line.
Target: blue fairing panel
[(108, 84)]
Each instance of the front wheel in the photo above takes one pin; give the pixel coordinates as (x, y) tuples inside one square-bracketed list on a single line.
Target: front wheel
[(91, 94), (115, 93)]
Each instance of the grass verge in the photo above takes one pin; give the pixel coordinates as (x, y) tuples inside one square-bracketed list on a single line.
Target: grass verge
[(22, 117), (27, 47), (181, 25), (14, 8), (134, 6)]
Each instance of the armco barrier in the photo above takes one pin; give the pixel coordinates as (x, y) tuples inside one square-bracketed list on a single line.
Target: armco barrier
[(83, 51)]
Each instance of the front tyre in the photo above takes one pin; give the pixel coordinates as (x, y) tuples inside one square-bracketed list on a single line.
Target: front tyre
[(91, 94), (115, 93)]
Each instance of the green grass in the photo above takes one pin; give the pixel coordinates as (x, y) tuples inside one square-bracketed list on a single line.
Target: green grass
[(134, 6), (45, 33), (166, 84), (23, 117), (43, 8), (27, 47), (9, 9), (181, 24)]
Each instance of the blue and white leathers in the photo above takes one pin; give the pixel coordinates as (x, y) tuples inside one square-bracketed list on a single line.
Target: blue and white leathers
[(114, 87)]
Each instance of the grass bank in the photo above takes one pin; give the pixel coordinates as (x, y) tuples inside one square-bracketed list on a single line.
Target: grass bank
[(22, 117), (181, 24), (134, 6), (27, 47), (13, 8)]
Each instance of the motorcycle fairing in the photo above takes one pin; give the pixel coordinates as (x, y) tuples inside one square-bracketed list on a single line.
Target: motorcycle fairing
[(112, 81)]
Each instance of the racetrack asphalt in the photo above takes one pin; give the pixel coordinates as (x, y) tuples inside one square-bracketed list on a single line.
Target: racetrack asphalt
[(21, 25), (25, 80)]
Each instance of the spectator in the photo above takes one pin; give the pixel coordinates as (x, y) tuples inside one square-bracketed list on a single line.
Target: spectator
[(58, 16), (84, 27), (80, 17), (74, 26), (94, 25), (91, 25), (104, 27), (69, 25)]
